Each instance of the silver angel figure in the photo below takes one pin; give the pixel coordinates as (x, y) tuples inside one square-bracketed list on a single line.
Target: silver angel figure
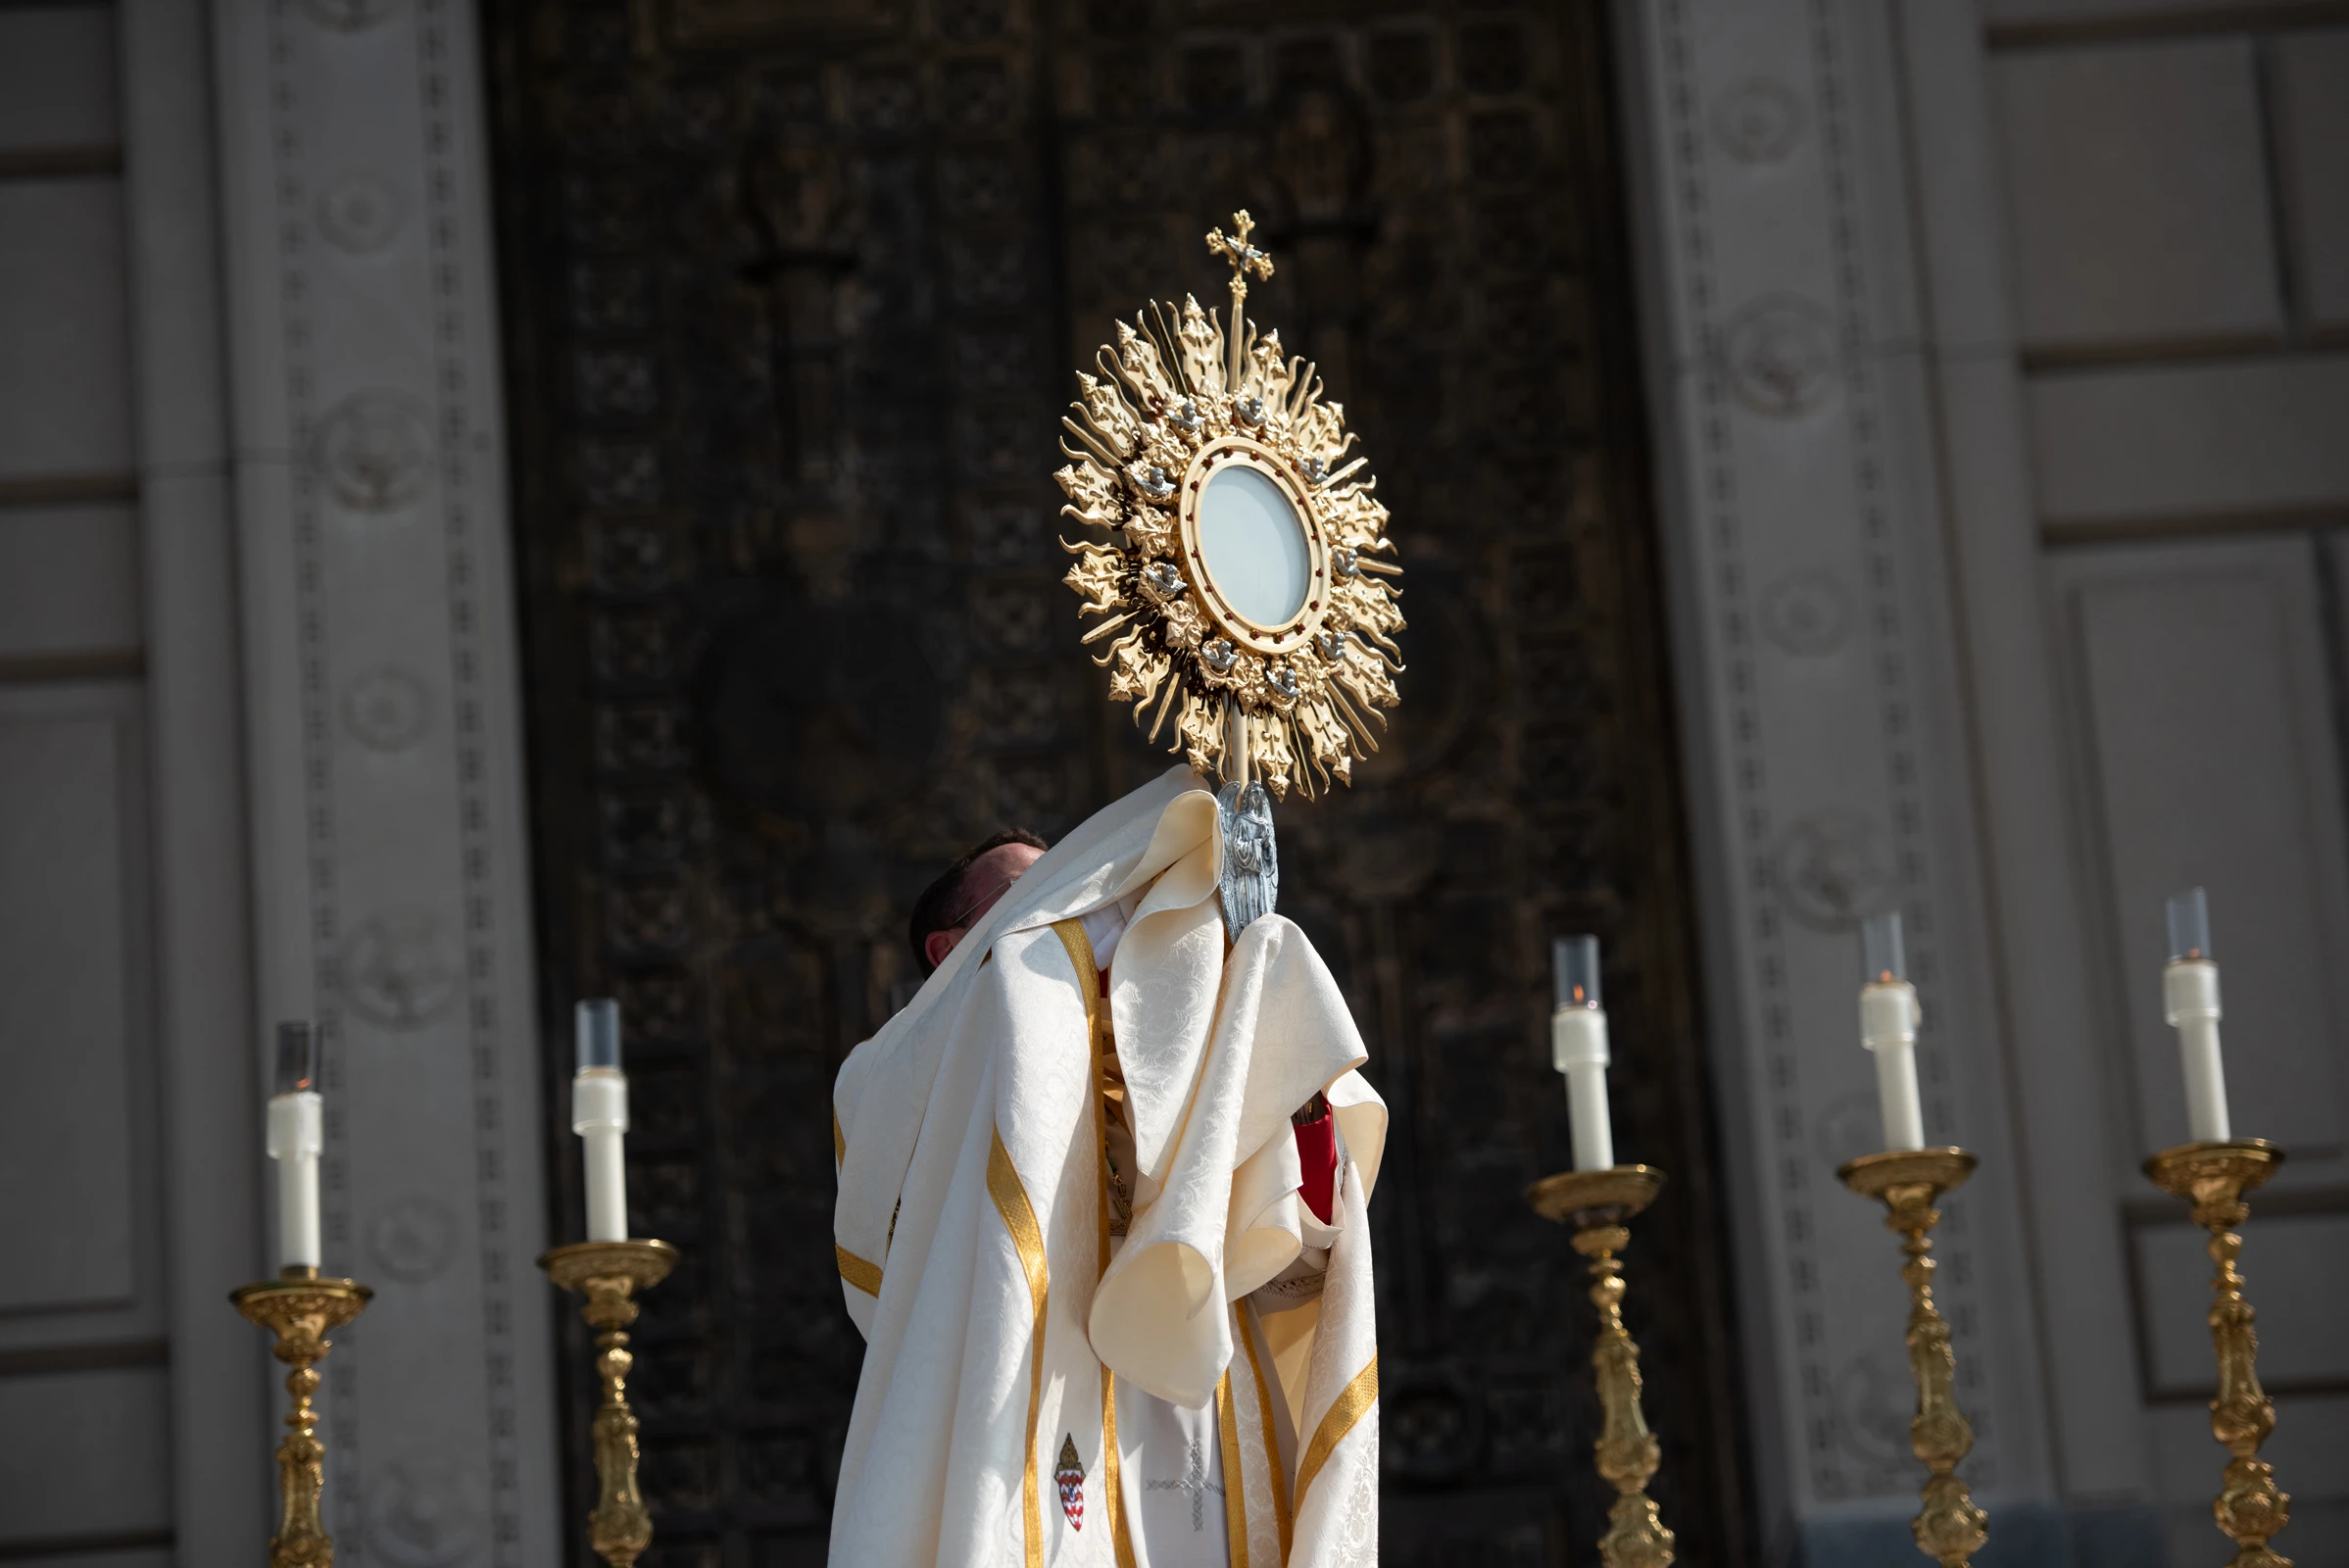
[(1252, 860)]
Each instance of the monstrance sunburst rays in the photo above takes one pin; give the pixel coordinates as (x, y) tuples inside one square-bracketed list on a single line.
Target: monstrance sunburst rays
[(1181, 402)]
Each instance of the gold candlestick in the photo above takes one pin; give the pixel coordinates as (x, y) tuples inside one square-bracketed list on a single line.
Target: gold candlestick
[(298, 1307), (610, 1274), (1949, 1528), (1596, 1203), (2214, 1177)]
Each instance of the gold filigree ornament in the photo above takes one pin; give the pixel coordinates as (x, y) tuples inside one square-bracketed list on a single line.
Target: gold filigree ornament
[(1246, 579), (2214, 1177), (1949, 1528), (610, 1274), (300, 1308)]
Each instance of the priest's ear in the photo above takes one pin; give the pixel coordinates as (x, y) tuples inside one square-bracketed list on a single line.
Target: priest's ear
[(938, 944)]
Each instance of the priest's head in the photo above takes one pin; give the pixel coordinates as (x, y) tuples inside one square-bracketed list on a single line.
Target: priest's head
[(968, 890)]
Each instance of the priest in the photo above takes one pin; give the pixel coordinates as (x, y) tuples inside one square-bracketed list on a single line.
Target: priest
[(1101, 1221)]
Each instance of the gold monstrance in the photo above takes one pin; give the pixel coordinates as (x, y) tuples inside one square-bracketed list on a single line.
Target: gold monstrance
[(1246, 580)]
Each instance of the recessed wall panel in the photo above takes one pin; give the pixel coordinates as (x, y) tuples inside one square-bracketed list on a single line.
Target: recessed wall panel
[(99, 1466), (64, 339), (66, 995), (2312, 84), (2209, 743), (57, 77), (68, 581), (2138, 194), (2210, 443)]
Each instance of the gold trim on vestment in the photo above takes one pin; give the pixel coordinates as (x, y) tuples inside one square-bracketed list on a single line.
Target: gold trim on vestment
[(866, 1277), (840, 1141), (1235, 1473), (1012, 1202), (1096, 1029), (1272, 1437), (1350, 1407)]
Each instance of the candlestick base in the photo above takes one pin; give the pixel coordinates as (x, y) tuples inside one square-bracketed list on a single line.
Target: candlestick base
[(1949, 1528), (610, 1274), (1596, 1204), (2214, 1177), (298, 1307)]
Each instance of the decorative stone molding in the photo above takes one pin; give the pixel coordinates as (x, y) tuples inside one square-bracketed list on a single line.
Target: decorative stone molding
[(1828, 758), (384, 716)]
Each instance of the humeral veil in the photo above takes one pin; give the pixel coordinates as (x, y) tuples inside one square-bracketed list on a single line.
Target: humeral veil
[(1010, 1331)]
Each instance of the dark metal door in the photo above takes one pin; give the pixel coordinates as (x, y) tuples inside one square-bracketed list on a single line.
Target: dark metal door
[(793, 293)]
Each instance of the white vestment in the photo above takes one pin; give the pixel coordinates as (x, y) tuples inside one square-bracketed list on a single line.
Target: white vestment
[(972, 1226)]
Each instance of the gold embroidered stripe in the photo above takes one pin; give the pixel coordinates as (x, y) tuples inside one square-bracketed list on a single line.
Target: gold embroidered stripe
[(1234, 1478), (866, 1277), (840, 1141), (1088, 977), (1012, 1202), (1114, 1500), (1089, 982), (1350, 1406), (1272, 1439)]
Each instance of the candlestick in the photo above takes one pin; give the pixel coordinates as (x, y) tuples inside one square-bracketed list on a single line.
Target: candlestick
[(2214, 1175), (600, 1116), (1578, 1047), (2191, 1002), (1888, 1020), (1597, 1204), (297, 1137), (610, 1274), (298, 1307), (1949, 1528)]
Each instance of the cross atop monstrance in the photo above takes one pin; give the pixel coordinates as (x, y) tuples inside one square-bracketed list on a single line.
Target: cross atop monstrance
[(1244, 256), (1244, 259)]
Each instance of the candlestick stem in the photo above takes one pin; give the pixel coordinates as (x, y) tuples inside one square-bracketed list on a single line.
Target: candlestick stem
[(298, 1307), (1949, 1528), (2213, 1176), (610, 1274), (1597, 1204)]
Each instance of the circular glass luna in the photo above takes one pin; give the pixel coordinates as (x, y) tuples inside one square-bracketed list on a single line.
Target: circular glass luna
[(1253, 544)]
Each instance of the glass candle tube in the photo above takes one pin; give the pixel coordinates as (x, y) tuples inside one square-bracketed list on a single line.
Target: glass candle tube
[(1888, 1019), (1578, 1047), (600, 1116), (297, 1137), (2191, 1002)]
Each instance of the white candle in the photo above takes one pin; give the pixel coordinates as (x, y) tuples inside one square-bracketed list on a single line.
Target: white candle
[(297, 1137), (2191, 1002), (1888, 1020), (600, 1116), (1578, 1047)]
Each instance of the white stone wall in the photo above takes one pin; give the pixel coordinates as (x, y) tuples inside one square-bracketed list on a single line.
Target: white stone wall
[(383, 730), (259, 757), (1997, 384), (1825, 730), (2177, 229), (124, 959)]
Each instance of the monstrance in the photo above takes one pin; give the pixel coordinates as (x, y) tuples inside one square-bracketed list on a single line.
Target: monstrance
[(1245, 579)]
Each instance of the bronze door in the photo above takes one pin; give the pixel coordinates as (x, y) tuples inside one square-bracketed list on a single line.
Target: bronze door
[(794, 292)]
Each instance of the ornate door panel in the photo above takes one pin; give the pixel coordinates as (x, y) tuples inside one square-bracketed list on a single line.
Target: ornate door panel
[(795, 289)]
